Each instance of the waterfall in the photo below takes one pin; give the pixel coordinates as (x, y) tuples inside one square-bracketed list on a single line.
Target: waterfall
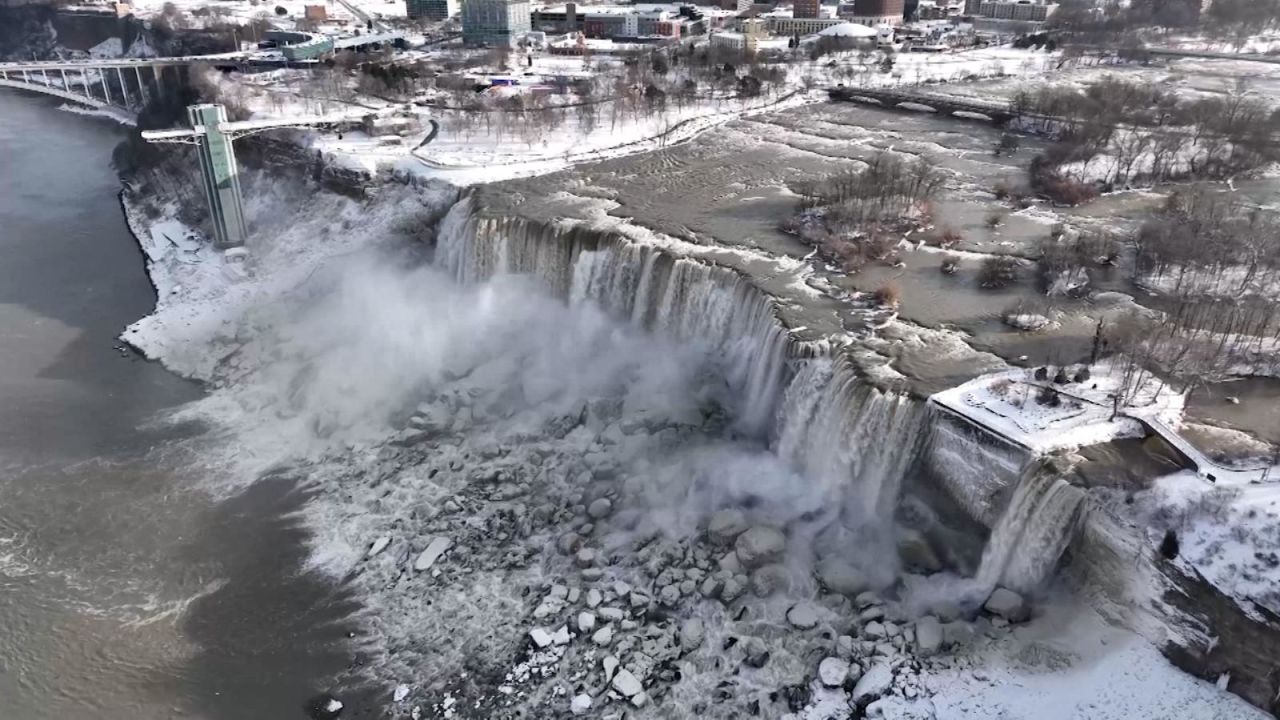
[(1037, 525), (679, 297), (839, 430), (852, 442)]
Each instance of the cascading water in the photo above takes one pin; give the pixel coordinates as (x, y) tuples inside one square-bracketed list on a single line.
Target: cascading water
[(680, 298), (1035, 528)]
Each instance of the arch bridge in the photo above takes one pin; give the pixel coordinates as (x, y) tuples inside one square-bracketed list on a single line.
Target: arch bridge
[(997, 113), (119, 86)]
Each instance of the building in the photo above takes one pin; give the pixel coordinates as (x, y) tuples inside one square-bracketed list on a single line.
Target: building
[(874, 13), (644, 22), (431, 9), (806, 9), (494, 22), (1020, 10), (748, 38), (787, 25)]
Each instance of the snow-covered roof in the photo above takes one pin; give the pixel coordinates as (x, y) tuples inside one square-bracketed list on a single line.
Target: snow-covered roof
[(849, 30)]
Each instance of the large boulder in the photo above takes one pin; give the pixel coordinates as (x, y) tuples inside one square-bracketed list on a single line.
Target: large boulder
[(760, 545), (928, 635), (1008, 604), (916, 553), (833, 671), (874, 683), (840, 577), (725, 526), (626, 684), (770, 579)]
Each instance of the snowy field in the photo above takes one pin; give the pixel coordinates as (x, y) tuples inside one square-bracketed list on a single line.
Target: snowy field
[(471, 148), (1231, 535)]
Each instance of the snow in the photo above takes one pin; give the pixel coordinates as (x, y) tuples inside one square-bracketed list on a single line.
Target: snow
[(1230, 535), (473, 148), (853, 30), (1069, 664), (1005, 402)]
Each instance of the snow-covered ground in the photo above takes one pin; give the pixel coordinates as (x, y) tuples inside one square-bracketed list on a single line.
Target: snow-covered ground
[(1230, 535), (1006, 403), (1069, 664), (476, 147)]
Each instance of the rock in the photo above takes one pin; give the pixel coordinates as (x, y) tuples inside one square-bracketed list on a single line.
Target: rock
[(580, 704), (574, 594), (610, 614), (733, 589), (709, 588), (603, 636), (891, 629), (621, 589), (866, 600), (435, 549), (669, 595), (562, 636), (916, 553), (586, 557), (725, 526), (928, 635), (1007, 604), (840, 577), (626, 684), (756, 656), (324, 707), (692, 632), (875, 612), (610, 664), (639, 699), (874, 630), (593, 598), (759, 545), (844, 646), (729, 562), (569, 543), (892, 708), (586, 621), (540, 637), (558, 592), (802, 616), (832, 671), (638, 601), (378, 546), (770, 579), (592, 574), (874, 683), (401, 692), (600, 508), (957, 633)]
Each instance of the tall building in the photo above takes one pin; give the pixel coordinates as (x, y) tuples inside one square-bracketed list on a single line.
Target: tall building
[(874, 13), (806, 8), (494, 22), (432, 9)]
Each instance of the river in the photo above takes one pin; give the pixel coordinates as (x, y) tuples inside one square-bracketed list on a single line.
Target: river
[(125, 592)]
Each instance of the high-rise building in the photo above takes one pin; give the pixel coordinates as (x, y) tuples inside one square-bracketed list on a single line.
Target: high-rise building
[(877, 12), (494, 22), (432, 9), (806, 8)]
